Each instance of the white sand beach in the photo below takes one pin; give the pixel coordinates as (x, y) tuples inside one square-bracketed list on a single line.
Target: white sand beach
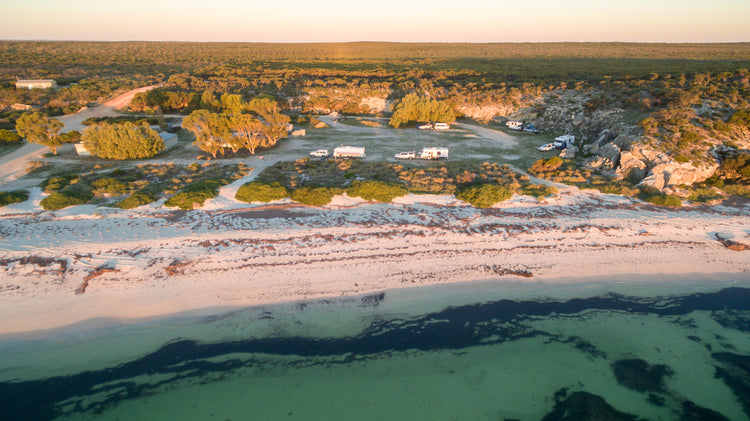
[(86, 262)]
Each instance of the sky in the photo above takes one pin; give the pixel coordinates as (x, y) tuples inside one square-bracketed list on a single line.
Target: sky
[(384, 20)]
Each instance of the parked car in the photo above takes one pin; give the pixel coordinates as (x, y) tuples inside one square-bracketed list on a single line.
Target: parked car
[(546, 147), (320, 153), (425, 127), (405, 155), (442, 126)]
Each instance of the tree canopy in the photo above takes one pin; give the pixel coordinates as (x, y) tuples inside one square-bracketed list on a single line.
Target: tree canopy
[(122, 141), (38, 128), (235, 130), (421, 109)]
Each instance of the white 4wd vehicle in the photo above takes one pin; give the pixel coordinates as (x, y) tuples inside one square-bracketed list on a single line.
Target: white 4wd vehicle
[(320, 153), (405, 155)]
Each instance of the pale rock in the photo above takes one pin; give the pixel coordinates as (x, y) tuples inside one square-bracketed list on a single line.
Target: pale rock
[(376, 104), (569, 152), (631, 166), (655, 180)]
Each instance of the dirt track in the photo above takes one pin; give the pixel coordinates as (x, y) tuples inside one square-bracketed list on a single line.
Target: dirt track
[(13, 165)]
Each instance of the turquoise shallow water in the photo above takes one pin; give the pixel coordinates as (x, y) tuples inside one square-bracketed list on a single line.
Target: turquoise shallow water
[(425, 354)]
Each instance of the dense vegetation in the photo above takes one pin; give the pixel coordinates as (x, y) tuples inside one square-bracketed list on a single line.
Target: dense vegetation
[(14, 196), (181, 185), (316, 182), (122, 141), (685, 98)]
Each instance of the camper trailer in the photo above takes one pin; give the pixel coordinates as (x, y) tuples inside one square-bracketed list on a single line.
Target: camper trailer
[(515, 125), (349, 152), (564, 141), (442, 126), (434, 153)]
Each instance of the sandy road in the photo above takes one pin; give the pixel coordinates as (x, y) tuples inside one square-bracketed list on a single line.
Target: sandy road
[(13, 165)]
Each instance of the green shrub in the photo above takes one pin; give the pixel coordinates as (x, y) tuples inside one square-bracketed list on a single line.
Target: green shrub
[(73, 136), (110, 185), (376, 190), (57, 183), (194, 193), (65, 198), (539, 190), (703, 195), (187, 200), (738, 190), (484, 195), (261, 192), (314, 196), (663, 200), (546, 165), (136, 199), (15, 196), (9, 137)]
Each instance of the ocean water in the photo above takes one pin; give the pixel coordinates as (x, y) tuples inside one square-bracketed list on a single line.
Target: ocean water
[(657, 351)]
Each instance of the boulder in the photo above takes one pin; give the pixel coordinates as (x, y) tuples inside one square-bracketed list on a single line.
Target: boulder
[(568, 152), (631, 166), (656, 180)]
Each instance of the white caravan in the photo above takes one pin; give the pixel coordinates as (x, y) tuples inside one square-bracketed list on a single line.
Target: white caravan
[(349, 152), (433, 153)]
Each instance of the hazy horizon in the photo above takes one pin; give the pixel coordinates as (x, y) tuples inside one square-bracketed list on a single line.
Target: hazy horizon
[(332, 21)]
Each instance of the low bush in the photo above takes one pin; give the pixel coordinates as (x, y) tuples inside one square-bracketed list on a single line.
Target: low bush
[(376, 190), (705, 194), (546, 165), (484, 195), (195, 193), (663, 200), (315, 196), (65, 198), (261, 192), (538, 190), (73, 136), (57, 183), (9, 137), (14, 196), (110, 185), (738, 190), (136, 199)]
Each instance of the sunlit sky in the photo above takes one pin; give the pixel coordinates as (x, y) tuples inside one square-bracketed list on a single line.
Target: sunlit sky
[(384, 20)]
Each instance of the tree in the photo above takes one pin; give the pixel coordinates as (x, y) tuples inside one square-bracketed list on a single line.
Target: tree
[(414, 108), (249, 132), (212, 131), (231, 104), (38, 128), (122, 141), (209, 102)]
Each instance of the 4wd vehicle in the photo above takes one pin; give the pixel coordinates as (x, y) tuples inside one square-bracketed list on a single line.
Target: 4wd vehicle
[(320, 153), (405, 155)]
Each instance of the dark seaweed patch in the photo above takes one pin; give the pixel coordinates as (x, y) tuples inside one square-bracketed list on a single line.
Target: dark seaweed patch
[(730, 319), (584, 406), (693, 412), (372, 300), (734, 370), (639, 375), (453, 328)]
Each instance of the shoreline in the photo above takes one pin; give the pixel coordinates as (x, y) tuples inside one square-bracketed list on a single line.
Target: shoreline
[(414, 300), (64, 268)]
